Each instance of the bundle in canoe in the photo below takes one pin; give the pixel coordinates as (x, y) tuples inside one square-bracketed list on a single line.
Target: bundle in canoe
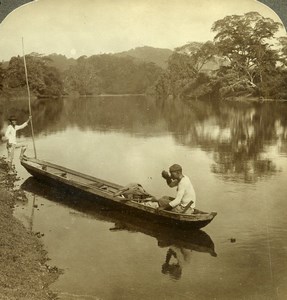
[(106, 192)]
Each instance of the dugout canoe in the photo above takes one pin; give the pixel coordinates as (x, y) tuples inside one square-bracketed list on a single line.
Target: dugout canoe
[(103, 191), (166, 236)]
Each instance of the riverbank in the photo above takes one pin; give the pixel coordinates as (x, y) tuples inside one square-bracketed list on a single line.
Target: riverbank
[(254, 99), (24, 273)]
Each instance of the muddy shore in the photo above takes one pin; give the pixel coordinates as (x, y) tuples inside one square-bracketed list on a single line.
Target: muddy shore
[(24, 269)]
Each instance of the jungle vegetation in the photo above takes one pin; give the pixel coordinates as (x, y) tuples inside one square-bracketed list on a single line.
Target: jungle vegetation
[(245, 59), (251, 62), (98, 74)]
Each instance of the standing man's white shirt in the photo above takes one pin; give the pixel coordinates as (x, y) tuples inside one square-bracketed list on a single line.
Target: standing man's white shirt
[(185, 193), (11, 133)]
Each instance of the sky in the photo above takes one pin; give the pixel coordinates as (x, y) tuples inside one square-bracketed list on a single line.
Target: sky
[(87, 27)]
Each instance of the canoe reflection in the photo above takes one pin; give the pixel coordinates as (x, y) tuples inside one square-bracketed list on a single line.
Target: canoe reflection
[(179, 243)]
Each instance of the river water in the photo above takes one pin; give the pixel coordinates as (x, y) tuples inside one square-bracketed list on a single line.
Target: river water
[(236, 157)]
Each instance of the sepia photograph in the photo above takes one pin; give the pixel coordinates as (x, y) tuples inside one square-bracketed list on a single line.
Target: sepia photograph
[(143, 150)]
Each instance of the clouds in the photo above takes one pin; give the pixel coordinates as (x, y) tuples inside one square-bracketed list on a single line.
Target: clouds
[(86, 27)]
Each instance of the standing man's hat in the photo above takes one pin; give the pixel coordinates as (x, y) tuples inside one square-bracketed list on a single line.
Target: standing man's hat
[(175, 168), (12, 118)]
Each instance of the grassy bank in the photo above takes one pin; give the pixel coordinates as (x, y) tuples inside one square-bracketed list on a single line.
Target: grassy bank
[(24, 273)]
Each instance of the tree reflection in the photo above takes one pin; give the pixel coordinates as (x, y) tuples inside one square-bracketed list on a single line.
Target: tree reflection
[(136, 115), (240, 136), (129, 114), (46, 114)]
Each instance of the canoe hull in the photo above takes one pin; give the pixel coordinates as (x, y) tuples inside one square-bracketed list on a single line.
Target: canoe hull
[(127, 207), (166, 236)]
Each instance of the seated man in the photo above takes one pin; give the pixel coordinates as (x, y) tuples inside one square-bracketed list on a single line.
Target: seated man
[(185, 198)]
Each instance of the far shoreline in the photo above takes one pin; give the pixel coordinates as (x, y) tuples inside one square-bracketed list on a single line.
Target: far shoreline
[(247, 99)]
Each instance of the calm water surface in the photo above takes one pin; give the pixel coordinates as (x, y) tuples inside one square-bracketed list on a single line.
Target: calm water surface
[(236, 157)]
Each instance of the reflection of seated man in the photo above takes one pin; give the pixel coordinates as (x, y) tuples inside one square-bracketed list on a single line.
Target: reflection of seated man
[(185, 198), (180, 256)]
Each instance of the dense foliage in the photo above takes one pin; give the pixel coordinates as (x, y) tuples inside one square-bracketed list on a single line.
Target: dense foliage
[(56, 75), (2, 74), (185, 75), (108, 74), (248, 63), (44, 80), (246, 41)]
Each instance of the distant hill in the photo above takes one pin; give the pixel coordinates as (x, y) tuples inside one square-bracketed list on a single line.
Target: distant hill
[(142, 54), (213, 64), (158, 56), (61, 62)]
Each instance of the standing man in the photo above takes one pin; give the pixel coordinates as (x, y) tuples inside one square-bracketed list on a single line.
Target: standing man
[(10, 136), (185, 198)]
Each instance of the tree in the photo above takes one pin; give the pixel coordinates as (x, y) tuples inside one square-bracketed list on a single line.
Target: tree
[(53, 85), (2, 75), (44, 80), (83, 77), (15, 73), (199, 54), (245, 40), (110, 74), (283, 50), (185, 71), (229, 83)]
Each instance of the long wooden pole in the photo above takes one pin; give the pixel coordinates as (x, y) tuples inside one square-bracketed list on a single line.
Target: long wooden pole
[(29, 98)]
